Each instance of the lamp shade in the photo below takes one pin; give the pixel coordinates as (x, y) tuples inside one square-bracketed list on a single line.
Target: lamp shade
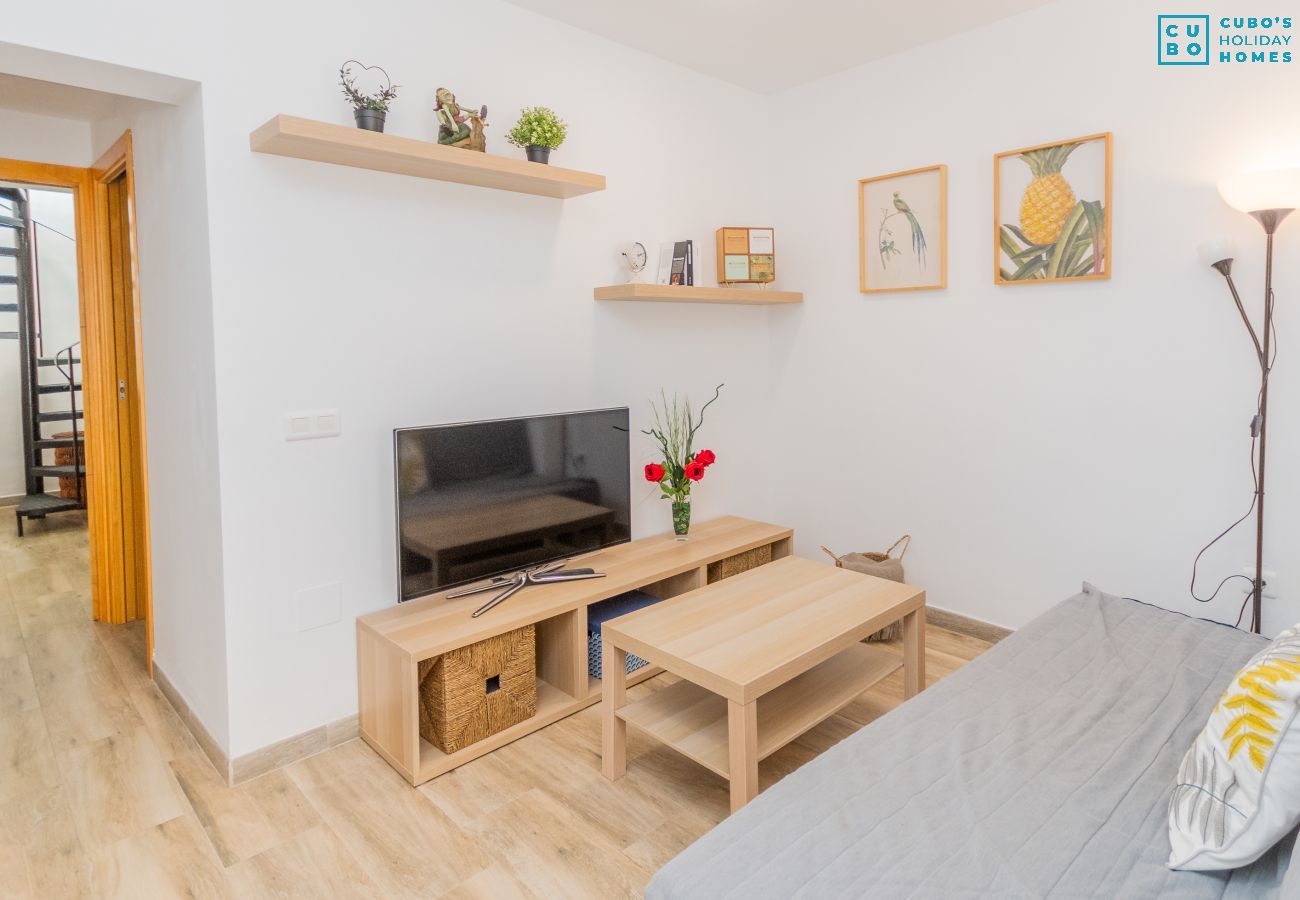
[(1217, 250), (1254, 191)]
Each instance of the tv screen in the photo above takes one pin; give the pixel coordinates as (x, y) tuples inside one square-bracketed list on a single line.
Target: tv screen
[(479, 499)]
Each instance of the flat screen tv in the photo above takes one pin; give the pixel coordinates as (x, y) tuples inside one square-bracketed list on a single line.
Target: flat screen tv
[(477, 499)]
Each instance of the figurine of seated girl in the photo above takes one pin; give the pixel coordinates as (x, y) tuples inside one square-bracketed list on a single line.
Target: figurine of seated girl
[(453, 129)]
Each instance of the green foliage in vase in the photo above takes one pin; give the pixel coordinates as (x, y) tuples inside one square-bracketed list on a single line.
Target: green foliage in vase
[(538, 127), (675, 427)]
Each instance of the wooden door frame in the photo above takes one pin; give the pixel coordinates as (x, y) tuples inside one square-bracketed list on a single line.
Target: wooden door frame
[(89, 188), (99, 372)]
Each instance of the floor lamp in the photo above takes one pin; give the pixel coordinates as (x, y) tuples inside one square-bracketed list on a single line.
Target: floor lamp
[(1269, 197)]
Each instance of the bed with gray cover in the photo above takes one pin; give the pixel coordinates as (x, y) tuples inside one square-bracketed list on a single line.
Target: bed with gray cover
[(1041, 769)]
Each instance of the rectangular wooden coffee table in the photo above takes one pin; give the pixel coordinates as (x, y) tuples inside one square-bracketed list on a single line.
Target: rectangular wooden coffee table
[(763, 657)]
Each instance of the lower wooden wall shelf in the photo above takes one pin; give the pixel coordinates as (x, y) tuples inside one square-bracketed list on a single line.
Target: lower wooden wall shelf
[(391, 643), (677, 293)]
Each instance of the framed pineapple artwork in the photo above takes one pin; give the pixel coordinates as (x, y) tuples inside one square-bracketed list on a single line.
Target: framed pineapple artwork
[(1052, 212), (903, 231)]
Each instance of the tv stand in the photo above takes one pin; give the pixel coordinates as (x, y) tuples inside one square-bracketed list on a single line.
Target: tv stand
[(391, 643)]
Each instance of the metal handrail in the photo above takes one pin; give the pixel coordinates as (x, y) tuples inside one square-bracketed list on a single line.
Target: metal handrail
[(70, 374)]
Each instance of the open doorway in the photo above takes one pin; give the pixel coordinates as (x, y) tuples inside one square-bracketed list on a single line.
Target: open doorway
[(41, 455), (81, 402)]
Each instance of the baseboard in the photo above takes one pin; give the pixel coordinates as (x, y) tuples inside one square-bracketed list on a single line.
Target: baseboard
[(323, 737), (292, 749), (259, 762), (206, 742), (10, 501), (952, 621)]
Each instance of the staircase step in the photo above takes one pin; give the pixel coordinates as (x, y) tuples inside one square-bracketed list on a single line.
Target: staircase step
[(60, 416), (11, 222), (53, 443), (40, 504), (9, 251), (56, 471), (9, 307), (49, 361), (61, 388), (8, 279), (8, 335)]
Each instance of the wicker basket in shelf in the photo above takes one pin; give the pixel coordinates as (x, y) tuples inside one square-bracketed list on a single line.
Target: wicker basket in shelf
[(741, 562), (473, 692)]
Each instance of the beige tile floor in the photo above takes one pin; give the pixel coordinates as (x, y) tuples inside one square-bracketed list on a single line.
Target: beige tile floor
[(103, 793)]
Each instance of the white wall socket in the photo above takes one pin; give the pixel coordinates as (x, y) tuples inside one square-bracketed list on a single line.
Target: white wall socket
[(318, 606), (312, 424), (1271, 585)]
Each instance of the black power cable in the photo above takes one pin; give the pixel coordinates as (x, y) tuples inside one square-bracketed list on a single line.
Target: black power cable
[(1255, 426)]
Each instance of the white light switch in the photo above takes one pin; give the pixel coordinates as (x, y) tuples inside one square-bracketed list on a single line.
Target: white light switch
[(305, 426), (319, 606)]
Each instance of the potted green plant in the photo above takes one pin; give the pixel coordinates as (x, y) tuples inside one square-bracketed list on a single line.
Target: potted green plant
[(539, 131), (369, 110)]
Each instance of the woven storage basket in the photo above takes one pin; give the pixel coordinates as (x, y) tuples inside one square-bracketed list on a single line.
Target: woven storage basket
[(63, 457), (741, 562), (473, 692), (881, 565)]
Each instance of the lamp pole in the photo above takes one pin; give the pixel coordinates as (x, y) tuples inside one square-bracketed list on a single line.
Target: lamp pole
[(1269, 219), (1257, 601)]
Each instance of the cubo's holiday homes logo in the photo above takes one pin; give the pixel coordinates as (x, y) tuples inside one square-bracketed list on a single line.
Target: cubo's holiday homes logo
[(1183, 40), (1198, 40)]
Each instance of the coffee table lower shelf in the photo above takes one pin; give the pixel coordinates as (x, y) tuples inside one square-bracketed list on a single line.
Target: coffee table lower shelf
[(693, 720)]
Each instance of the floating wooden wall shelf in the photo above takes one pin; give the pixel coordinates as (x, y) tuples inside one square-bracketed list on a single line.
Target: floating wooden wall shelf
[(345, 145), (676, 293)]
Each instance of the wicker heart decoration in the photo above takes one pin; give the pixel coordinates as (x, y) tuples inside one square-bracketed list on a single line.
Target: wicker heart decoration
[(366, 88)]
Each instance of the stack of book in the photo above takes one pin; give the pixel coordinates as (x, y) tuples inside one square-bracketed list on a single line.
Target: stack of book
[(677, 262)]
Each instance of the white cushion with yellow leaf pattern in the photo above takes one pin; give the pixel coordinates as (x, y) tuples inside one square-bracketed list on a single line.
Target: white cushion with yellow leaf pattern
[(1238, 790)]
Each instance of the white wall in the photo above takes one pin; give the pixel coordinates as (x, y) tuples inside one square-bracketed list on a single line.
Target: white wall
[(63, 142), (1031, 437), (180, 399), (406, 302), (56, 253), (43, 139)]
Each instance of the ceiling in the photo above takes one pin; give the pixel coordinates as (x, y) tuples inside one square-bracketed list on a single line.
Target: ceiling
[(770, 45), (60, 101)]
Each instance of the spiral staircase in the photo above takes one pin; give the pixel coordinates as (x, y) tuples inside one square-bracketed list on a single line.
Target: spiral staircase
[(50, 386)]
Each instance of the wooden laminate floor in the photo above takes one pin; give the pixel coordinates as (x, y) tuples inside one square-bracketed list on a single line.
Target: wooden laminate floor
[(103, 793)]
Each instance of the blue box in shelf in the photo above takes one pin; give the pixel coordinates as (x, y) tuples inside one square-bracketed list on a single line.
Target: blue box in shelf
[(605, 610)]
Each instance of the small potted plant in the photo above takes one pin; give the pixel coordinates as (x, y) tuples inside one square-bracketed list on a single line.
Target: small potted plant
[(674, 430), (539, 131), (369, 110)]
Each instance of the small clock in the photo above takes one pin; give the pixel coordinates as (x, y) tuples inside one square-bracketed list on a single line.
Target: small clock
[(634, 257)]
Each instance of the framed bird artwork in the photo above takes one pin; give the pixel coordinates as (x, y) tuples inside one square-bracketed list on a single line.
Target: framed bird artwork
[(903, 231)]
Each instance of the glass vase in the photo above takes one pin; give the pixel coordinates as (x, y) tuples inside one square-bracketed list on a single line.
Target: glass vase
[(681, 518)]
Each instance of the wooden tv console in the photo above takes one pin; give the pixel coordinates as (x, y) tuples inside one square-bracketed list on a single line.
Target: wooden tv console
[(391, 643)]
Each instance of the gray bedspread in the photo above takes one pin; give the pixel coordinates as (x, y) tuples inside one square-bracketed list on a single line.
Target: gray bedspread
[(1041, 769)]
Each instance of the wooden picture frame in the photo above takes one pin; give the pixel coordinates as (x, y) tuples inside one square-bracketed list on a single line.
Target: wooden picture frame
[(1054, 233), (917, 270)]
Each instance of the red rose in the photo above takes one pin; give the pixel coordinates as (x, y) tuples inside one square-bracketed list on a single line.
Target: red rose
[(654, 472), (706, 458), (694, 470)]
